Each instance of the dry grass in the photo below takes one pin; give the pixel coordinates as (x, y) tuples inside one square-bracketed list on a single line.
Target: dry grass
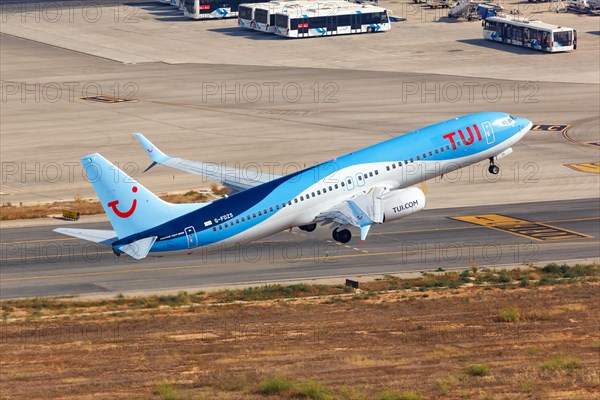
[(449, 345), (9, 211)]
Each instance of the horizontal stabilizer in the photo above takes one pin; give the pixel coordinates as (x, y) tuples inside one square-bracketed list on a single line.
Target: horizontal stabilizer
[(140, 248), (92, 235)]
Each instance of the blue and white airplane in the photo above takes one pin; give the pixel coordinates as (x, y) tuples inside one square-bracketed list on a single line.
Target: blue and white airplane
[(361, 189)]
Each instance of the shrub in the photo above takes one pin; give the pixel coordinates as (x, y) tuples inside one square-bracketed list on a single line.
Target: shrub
[(478, 370), (314, 390), (559, 362), (166, 391), (510, 314), (393, 395), (275, 385)]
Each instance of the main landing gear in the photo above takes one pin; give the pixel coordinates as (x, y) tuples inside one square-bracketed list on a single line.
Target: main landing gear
[(493, 168), (308, 228), (342, 236)]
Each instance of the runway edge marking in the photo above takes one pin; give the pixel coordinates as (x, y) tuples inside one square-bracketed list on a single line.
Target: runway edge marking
[(528, 229)]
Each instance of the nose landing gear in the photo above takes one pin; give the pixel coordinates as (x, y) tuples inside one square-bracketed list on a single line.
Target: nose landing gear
[(493, 168)]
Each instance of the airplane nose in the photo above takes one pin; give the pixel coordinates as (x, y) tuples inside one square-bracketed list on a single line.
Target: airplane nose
[(522, 122)]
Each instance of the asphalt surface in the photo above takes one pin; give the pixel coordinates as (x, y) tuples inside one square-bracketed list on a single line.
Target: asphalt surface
[(39, 262)]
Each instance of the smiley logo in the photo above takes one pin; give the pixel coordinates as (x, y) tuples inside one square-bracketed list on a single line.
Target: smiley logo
[(150, 150), (126, 214)]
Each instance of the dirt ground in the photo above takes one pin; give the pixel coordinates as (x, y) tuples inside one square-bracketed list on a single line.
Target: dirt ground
[(539, 342)]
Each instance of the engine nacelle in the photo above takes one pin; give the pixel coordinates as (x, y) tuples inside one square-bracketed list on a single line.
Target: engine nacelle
[(402, 203)]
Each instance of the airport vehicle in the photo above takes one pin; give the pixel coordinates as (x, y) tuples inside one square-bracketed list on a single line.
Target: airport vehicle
[(361, 189), (246, 15), (319, 22), (213, 9), (533, 34), (264, 13)]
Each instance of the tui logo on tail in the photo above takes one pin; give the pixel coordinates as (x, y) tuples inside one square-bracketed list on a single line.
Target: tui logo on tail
[(113, 204)]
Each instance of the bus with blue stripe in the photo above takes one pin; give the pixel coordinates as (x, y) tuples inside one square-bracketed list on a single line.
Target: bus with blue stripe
[(532, 34), (323, 21), (213, 9)]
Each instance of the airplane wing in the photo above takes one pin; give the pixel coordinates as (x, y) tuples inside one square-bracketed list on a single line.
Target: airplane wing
[(237, 179), (361, 211)]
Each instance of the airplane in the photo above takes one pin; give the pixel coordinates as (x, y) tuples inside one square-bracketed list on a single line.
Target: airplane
[(361, 189)]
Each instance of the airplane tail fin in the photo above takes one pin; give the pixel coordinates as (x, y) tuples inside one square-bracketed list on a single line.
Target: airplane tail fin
[(131, 208)]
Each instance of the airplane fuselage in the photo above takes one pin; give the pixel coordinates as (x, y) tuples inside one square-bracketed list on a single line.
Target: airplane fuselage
[(296, 199)]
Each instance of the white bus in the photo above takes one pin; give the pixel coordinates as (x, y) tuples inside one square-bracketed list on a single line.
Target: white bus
[(246, 14), (533, 34), (212, 9), (264, 14), (322, 22)]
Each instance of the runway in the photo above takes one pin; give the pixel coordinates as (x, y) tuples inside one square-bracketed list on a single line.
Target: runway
[(39, 262)]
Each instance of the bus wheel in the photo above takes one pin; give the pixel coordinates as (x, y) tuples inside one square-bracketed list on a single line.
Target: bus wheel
[(370, 30)]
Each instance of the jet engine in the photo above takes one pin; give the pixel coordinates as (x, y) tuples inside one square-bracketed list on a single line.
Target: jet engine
[(402, 203)]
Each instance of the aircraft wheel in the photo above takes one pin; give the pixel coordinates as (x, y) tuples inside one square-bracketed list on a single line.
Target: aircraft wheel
[(494, 169), (334, 235), (308, 228), (344, 236)]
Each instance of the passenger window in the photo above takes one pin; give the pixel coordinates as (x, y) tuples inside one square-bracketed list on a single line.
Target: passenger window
[(370, 174), (331, 189), (366, 176), (319, 192), (447, 147), (394, 166), (259, 213), (271, 209), (243, 219), (237, 221), (430, 154), (324, 191), (411, 160), (436, 151), (295, 200), (376, 172), (343, 184), (336, 186), (253, 215), (214, 229), (301, 198), (220, 227), (387, 168), (277, 206), (359, 178), (424, 155)]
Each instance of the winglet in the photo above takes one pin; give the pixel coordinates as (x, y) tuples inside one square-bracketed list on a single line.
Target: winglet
[(154, 152), (364, 231)]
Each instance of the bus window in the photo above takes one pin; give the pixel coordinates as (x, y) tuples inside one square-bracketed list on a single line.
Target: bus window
[(562, 38), (344, 20), (281, 21), (356, 21), (367, 18), (316, 22)]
